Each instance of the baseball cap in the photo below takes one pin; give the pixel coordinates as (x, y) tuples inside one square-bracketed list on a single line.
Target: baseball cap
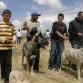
[(35, 13)]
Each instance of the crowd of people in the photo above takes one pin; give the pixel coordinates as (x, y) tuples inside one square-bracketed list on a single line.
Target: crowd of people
[(59, 34)]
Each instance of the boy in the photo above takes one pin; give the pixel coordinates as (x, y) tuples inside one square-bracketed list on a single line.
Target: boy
[(57, 45), (7, 33)]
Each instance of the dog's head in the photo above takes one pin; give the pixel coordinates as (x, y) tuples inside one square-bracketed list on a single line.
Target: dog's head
[(43, 42)]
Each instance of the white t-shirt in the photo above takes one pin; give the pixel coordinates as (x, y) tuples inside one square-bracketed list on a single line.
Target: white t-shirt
[(19, 34), (30, 25), (47, 34)]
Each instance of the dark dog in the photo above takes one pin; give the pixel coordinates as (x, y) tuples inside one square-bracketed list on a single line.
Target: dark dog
[(29, 51)]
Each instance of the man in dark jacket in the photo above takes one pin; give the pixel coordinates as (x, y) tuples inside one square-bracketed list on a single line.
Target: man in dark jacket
[(57, 45), (76, 31)]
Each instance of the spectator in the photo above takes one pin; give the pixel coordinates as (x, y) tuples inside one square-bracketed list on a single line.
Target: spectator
[(76, 33), (58, 36), (19, 36), (47, 35), (33, 30)]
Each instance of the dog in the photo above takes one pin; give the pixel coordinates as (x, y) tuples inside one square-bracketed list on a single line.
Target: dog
[(17, 76), (29, 51), (74, 56)]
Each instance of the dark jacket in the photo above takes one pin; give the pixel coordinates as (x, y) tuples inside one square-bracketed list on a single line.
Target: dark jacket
[(58, 27), (75, 26)]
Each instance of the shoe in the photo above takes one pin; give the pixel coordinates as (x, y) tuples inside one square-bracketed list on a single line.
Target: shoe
[(6, 81), (35, 71), (58, 70), (49, 68)]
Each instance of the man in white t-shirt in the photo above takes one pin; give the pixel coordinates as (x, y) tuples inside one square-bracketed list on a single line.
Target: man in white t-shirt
[(32, 24), (19, 35), (33, 30), (47, 35)]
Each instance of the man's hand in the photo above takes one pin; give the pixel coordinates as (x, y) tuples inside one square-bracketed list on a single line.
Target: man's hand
[(65, 37), (13, 42), (80, 34), (10, 41)]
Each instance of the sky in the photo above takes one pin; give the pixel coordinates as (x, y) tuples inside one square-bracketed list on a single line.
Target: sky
[(49, 10)]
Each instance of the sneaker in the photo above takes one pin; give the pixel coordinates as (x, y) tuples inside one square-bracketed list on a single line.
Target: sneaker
[(6, 81), (58, 70), (35, 71), (49, 68)]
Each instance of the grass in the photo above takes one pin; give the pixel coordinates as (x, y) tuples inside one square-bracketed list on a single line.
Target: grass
[(44, 76)]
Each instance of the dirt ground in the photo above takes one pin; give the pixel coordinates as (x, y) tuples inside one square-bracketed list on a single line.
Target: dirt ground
[(44, 76)]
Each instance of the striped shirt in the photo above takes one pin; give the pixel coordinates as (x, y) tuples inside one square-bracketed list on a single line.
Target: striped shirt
[(7, 31)]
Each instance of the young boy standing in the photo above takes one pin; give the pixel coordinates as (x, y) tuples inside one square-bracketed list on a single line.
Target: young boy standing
[(57, 45), (7, 35)]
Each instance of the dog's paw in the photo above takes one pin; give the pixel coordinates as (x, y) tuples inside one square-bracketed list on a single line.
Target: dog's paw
[(79, 79), (27, 72), (32, 73)]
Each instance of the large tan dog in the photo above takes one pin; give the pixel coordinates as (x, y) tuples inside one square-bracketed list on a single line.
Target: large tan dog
[(74, 56), (17, 76)]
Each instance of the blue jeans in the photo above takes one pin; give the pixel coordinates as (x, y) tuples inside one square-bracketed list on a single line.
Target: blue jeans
[(75, 45), (55, 54)]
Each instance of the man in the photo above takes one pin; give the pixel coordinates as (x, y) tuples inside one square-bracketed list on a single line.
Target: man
[(47, 35), (7, 33), (33, 30), (58, 36), (19, 35), (76, 33)]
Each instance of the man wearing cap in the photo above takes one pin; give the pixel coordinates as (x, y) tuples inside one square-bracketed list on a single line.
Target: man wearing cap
[(31, 24), (33, 29), (76, 33)]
